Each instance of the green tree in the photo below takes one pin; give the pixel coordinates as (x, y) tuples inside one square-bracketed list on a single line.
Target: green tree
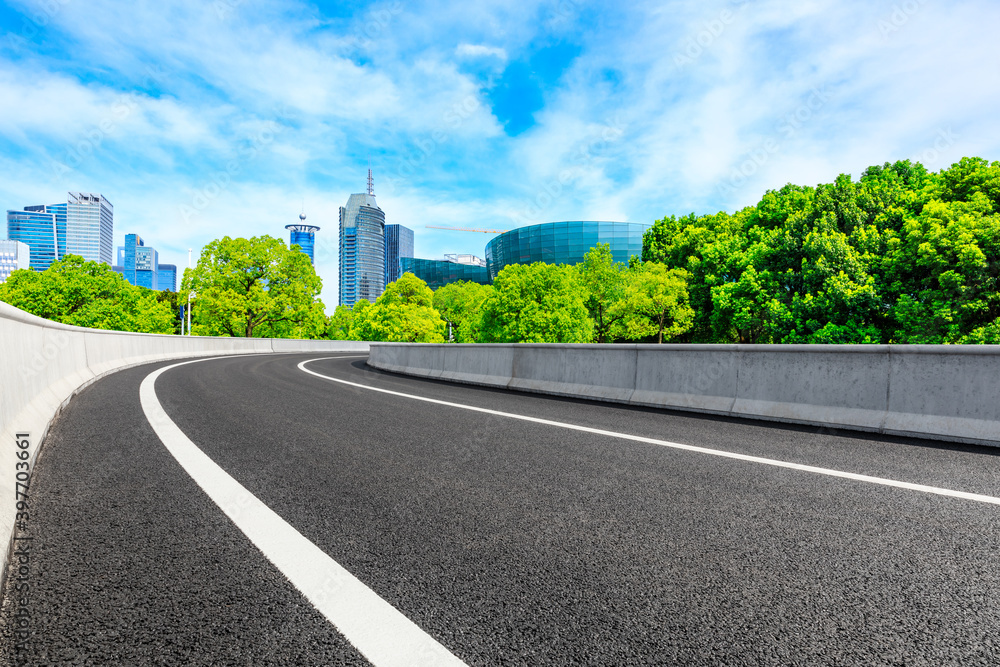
[(403, 313), (900, 255), (255, 287), (87, 294), (172, 301), (536, 303), (340, 323), (604, 281), (654, 303), (942, 272), (460, 304)]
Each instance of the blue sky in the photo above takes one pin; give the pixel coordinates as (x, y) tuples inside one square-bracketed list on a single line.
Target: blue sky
[(199, 119)]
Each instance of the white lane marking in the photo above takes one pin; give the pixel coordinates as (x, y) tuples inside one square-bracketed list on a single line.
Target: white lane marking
[(378, 630), (676, 445)]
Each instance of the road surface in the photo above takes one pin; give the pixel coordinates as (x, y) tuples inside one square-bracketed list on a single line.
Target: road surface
[(505, 528)]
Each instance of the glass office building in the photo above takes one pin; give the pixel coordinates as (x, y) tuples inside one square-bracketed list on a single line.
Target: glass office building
[(304, 236), (14, 255), (438, 273), (362, 249), (398, 244), (41, 230), (83, 226), (563, 243), (166, 277), (90, 227), (140, 265)]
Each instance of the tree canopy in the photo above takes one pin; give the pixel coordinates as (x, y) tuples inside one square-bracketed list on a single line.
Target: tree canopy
[(901, 255), (460, 304), (87, 294), (536, 303), (403, 313), (255, 287)]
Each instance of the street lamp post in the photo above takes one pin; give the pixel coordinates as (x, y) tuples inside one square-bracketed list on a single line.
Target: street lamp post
[(190, 294)]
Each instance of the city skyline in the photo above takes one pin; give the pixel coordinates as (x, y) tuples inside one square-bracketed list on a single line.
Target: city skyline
[(200, 120)]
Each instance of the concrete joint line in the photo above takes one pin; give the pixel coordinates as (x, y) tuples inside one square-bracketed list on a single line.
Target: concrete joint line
[(672, 445), (736, 389), (379, 631), (888, 392)]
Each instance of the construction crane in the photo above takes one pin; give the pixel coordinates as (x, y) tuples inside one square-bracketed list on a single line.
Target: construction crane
[(467, 229)]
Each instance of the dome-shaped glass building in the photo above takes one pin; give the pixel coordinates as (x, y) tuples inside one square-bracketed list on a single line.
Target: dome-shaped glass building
[(563, 243)]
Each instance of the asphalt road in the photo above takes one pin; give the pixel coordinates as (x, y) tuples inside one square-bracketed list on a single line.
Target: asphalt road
[(509, 542)]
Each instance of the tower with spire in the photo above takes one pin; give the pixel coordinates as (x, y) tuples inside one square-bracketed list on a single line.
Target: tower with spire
[(362, 247)]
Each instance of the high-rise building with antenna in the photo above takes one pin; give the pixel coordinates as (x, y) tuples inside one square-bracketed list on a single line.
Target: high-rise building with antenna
[(362, 248)]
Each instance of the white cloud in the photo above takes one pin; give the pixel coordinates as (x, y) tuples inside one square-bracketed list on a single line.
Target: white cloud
[(480, 51)]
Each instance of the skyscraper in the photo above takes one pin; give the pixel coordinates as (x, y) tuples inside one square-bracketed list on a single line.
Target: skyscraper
[(84, 226), (43, 231), (14, 255), (398, 243), (362, 248), (140, 265), (90, 226), (304, 236), (166, 277)]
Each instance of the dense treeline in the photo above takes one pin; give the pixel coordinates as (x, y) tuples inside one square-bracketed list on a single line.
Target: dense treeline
[(899, 256), (88, 294), (597, 300)]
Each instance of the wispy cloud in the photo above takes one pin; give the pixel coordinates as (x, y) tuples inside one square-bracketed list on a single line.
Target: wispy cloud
[(480, 51)]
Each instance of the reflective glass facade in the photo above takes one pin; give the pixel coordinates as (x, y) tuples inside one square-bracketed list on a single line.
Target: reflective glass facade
[(166, 277), (140, 265), (304, 236), (41, 230), (437, 273), (14, 255), (83, 226), (398, 244), (362, 250), (562, 243), (90, 227)]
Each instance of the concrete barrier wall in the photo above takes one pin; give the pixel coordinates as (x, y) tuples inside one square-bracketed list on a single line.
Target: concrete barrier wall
[(942, 392), (43, 363)]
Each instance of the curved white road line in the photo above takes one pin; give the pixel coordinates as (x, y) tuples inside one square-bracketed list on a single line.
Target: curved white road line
[(674, 445), (378, 630)]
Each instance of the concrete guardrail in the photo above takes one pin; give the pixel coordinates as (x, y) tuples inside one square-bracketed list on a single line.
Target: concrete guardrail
[(45, 363), (942, 392)]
